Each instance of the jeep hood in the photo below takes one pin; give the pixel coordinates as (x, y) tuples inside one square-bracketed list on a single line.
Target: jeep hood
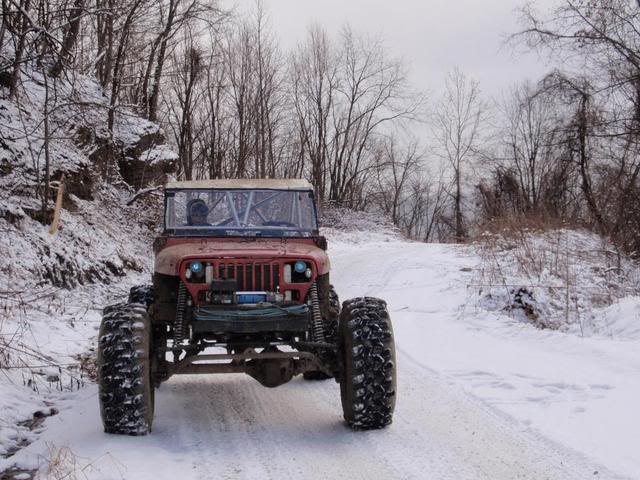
[(168, 259)]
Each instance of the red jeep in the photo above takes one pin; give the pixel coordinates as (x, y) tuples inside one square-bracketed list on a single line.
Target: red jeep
[(241, 285)]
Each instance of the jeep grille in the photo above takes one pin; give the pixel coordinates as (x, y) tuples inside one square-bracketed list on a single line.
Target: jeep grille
[(252, 276)]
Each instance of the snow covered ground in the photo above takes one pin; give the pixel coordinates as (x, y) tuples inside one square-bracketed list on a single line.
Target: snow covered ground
[(579, 392), (481, 394)]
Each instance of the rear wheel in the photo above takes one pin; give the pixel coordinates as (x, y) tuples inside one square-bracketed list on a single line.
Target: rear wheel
[(368, 377), (124, 370), (330, 320)]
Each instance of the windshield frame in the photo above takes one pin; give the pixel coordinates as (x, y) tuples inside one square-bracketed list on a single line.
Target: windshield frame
[(243, 232)]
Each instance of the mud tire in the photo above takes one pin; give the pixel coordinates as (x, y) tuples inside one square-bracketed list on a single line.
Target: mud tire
[(330, 328), (143, 294), (125, 387), (368, 376)]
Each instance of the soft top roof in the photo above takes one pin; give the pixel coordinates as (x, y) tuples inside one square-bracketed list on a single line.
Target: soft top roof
[(243, 184)]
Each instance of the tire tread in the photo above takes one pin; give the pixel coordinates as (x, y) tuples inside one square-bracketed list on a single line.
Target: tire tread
[(124, 380), (368, 380)]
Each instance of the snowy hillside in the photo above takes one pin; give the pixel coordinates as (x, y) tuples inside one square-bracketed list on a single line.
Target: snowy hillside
[(53, 287), (90, 245), (567, 280)]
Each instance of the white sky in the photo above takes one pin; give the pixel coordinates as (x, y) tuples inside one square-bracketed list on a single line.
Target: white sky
[(432, 36)]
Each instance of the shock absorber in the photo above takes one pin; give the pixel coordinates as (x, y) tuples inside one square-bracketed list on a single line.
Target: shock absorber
[(317, 330), (178, 328)]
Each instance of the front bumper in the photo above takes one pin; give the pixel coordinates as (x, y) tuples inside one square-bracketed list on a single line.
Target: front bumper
[(254, 319)]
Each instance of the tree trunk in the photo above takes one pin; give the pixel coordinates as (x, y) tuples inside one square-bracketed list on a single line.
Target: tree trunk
[(115, 84), (155, 91), (22, 40), (460, 233), (70, 38), (587, 190), (47, 157), (104, 64)]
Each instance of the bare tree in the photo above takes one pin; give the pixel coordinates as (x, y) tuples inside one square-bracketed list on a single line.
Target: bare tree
[(396, 167), (187, 95), (19, 26), (215, 139), (345, 95), (457, 123), (240, 59), (105, 40), (269, 95), (531, 120), (428, 203), (70, 38), (314, 86), (162, 41), (174, 16), (605, 38), (131, 15)]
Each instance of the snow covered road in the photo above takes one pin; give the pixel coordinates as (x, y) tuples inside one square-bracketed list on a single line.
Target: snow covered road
[(231, 427)]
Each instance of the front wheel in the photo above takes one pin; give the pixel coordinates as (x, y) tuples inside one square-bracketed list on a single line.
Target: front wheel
[(124, 370), (368, 376), (143, 294)]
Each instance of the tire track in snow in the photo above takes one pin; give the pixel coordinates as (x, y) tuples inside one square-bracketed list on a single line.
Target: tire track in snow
[(294, 431)]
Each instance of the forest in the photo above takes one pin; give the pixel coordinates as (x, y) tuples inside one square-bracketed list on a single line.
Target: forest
[(339, 110)]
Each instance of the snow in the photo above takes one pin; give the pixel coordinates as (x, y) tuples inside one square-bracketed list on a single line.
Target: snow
[(160, 153), (100, 239), (561, 279), (482, 394), (348, 229), (623, 318), (131, 128), (44, 335), (517, 356), (576, 391), (53, 287), (78, 116)]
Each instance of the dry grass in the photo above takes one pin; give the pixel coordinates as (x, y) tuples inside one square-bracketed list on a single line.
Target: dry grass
[(61, 463), (551, 277), (532, 222)]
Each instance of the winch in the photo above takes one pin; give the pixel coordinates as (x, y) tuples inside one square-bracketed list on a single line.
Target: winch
[(223, 291)]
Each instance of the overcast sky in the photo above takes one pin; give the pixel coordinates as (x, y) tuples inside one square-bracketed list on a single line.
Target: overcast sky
[(432, 36)]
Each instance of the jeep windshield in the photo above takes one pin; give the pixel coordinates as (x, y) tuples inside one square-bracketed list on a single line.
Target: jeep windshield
[(269, 213)]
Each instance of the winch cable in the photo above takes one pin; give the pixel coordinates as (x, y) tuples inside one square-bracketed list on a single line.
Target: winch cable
[(317, 330)]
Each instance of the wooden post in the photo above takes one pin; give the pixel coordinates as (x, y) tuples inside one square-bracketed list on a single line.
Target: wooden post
[(56, 212)]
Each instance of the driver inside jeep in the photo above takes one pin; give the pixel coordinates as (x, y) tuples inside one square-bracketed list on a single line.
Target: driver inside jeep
[(197, 213)]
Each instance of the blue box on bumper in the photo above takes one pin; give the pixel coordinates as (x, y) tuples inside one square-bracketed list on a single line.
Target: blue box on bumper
[(244, 298)]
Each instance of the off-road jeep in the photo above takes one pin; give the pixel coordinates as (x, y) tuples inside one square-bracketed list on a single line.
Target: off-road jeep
[(241, 285)]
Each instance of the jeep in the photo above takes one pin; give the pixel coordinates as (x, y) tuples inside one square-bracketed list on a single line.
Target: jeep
[(241, 285)]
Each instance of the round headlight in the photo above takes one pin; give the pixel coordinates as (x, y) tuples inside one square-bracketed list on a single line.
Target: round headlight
[(300, 266), (196, 267)]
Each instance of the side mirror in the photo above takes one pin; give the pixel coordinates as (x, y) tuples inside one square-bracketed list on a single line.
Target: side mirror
[(159, 243), (321, 242)]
